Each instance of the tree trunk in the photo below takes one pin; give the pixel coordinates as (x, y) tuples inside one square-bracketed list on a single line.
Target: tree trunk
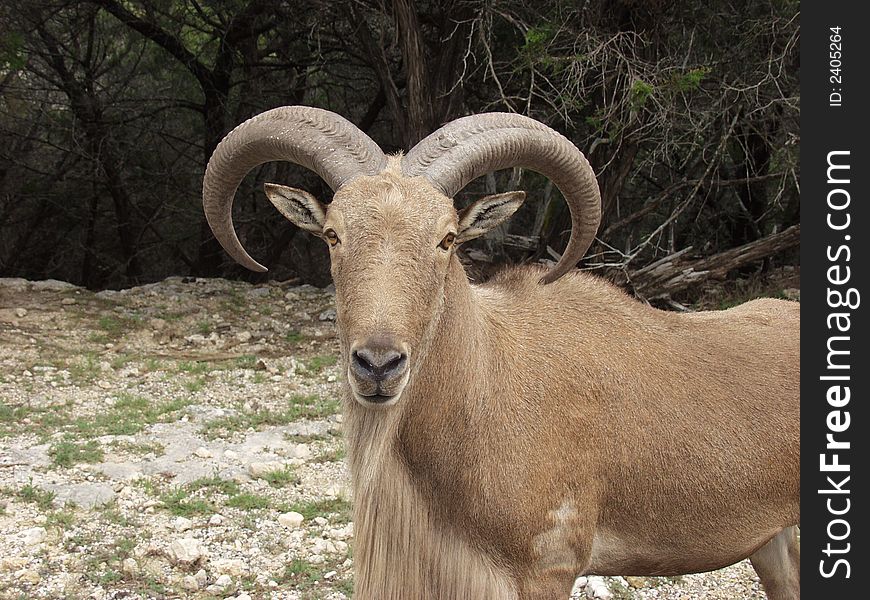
[(87, 277), (210, 254), (87, 109), (420, 120)]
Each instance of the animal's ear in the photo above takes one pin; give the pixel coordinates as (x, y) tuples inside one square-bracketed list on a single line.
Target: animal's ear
[(488, 212), (301, 208)]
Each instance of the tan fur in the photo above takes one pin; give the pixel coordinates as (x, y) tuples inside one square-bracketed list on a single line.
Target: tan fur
[(550, 431), (402, 547)]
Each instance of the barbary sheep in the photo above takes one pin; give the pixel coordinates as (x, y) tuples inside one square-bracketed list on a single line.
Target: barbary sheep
[(505, 438)]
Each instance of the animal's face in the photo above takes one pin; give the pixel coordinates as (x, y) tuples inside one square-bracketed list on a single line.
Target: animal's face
[(391, 241), (392, 228)]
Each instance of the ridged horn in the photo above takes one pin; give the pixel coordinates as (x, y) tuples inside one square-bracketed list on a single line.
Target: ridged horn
[(317, 139), (469, 147)]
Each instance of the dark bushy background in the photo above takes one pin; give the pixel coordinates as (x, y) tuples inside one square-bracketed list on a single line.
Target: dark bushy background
[(109, 110)]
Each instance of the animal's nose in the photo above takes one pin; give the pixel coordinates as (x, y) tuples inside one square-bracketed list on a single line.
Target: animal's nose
[(377, 362)]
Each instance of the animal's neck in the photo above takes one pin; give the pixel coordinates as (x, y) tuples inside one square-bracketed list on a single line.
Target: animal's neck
[(457, 343), (395, 526)]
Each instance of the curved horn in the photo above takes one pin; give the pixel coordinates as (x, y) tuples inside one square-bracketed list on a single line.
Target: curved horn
[(317, 139), (469, 147)]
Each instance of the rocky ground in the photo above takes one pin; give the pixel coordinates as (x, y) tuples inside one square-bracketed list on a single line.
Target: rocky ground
[(183, 440)]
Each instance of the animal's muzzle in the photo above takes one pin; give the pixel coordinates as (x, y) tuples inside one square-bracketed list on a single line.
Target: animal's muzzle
[(378, 367)]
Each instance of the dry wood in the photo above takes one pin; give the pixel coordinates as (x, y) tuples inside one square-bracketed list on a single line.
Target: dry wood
[(677, 271)]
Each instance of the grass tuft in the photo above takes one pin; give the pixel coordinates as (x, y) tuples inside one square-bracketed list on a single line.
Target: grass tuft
[(302, 574), (60, 518), (335, 455), (179, 503), (248, 501), (214, 484), (316, 364), (281, 477), (337, 510), (302, 407), (294, 337), (67, 453), (41, 498), (129, 415)]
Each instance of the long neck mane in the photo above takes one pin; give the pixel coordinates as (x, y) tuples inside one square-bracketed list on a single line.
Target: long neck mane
[(403, 548)]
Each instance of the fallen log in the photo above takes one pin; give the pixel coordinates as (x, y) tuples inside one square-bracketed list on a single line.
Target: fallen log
[(678, 271)]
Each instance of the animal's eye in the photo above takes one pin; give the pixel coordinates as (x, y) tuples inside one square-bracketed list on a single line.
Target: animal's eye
[(331, 237), (447, 242)]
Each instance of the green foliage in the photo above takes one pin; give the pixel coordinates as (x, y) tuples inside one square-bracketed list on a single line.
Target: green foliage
[(114, 325), (214, 484), (248, 501), (316, 364), (302, 574), (335, 455), (110, 513), (195, 367), (246, 361), (619, 590), (631, 84), (640, 93), (12, 54), (140, 448), (149, 486), (691, 80), (293, 337), (337, 510), (537, 38), (103, 567), (41, 498), (310, 579), (195, 385), (345, 586), (179, 503), (67, 453), (61, 518), (129, 415), (85, 369), (121, 359), (281, 477), (203, 496), (11, 415)]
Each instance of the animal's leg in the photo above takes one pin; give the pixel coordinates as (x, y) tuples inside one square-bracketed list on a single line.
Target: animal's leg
[(778, 565), (554, 585)]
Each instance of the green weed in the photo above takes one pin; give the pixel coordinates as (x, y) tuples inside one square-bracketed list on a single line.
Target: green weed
[(248, 501), (302, 407), (337, 454), (281, 477), (337, 510), (293, 337), (214, 484), (67, 453), (179, 503), (41, 498), (316, 364)]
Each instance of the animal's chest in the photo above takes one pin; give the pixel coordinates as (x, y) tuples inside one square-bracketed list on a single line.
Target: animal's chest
[(407, 547)]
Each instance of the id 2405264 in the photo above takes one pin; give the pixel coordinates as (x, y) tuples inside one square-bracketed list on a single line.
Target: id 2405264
[(835, 63)]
